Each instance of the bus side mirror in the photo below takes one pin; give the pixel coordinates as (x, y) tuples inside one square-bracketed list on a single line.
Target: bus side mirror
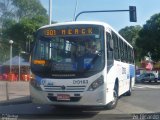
[(111, 44)]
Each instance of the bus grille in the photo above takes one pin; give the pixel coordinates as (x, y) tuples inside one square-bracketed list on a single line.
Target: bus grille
[(64, 88)]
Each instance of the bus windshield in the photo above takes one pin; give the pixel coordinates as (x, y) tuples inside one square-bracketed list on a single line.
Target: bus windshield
[(69, 49)]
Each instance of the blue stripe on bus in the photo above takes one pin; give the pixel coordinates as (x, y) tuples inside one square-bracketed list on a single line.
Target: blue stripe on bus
[(38, 79), (132, 71)]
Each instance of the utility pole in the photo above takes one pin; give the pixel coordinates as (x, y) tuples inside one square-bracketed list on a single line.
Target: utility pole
[(75, 10), (11, 42), (50, 12)]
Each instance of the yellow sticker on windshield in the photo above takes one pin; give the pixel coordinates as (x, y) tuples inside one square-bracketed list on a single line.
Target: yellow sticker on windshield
[(39, 62)]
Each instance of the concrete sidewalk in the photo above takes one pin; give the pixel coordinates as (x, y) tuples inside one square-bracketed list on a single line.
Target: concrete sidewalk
[(18, 92)]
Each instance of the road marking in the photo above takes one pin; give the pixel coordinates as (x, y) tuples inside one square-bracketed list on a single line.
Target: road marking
[(138, 86), (147, 86)]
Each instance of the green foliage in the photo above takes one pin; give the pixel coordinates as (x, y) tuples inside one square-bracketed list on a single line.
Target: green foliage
[(149, 40), (130, 33), (6, 25), (19, 19), (6, 20), (4, 54), (6, 9), (29, 8), (22, 32)]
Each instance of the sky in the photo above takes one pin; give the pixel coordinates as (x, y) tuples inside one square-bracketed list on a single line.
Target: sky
[(63, 11)]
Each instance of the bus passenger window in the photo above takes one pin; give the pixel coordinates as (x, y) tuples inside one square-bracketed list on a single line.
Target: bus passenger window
[(116, 46), (109, 52)]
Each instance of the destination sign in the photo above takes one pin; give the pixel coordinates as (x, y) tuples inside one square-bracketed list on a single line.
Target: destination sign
[(51, 32)]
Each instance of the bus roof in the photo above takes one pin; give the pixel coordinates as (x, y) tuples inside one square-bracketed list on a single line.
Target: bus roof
[(77, 23), (106, 26)]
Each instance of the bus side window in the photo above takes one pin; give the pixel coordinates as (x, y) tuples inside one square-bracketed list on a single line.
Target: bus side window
[(129, 55), (121, 49), (125, 53), (116, 46), (109, 51), (132, 55)]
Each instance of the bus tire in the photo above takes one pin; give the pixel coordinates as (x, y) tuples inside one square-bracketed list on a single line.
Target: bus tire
[(129, 92), (155, 80), (113, 103)]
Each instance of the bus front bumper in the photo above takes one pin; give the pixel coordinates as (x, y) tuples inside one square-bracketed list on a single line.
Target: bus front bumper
[(87, 98)]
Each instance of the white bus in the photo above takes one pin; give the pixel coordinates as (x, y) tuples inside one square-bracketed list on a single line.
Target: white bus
[(83, 63)]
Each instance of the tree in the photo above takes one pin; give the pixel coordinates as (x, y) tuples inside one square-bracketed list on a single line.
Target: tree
[(6, 10), (22, 32), (29, 8), (19, 19), (6, 20), (4, 48), (130, 33), (149, 40)]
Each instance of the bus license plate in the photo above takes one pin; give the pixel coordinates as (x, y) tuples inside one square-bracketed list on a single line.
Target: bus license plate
[(63, 97)]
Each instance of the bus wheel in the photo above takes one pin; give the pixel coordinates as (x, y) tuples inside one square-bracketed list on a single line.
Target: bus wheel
[(113, 103)]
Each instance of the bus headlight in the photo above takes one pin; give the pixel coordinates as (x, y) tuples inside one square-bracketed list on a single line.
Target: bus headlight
[(97, 83), (34, 83)]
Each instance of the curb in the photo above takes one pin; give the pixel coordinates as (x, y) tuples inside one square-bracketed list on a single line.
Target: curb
[(23, 100)]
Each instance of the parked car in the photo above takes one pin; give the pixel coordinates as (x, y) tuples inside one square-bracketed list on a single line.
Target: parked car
[(146, 77)]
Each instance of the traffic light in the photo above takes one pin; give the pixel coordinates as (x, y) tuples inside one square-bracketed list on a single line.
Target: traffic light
[(132, 14)]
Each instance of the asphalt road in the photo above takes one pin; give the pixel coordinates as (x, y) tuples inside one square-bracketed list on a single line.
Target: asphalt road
[(145, 99)]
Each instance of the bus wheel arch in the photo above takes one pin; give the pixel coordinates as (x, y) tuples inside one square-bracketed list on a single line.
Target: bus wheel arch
[(113, 103), (129, 92)]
